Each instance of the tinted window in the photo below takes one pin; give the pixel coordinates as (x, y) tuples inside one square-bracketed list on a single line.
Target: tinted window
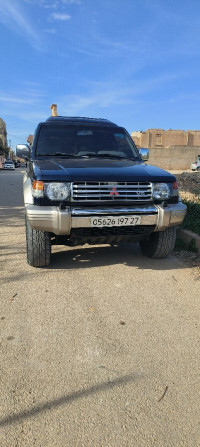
[(82, 140)]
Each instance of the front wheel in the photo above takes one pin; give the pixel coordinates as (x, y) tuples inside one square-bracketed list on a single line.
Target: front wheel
[(159, 244), (38, 245)]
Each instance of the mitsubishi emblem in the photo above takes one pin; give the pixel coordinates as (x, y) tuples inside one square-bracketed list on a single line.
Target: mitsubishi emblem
[(114, 192)]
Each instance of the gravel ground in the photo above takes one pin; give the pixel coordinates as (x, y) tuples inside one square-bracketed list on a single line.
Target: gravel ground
[(189, 188), (101, 349), (189, 185)]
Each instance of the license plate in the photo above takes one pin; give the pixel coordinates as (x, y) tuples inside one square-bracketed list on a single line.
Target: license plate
[(115, 221)]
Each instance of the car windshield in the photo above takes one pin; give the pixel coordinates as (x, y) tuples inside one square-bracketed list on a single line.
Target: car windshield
[(85, 141)]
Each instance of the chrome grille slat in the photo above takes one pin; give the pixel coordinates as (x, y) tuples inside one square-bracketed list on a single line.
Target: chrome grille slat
[(140, 186), (102, 191)]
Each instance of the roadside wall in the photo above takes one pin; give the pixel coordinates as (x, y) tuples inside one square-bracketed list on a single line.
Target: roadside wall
[(173, 157)]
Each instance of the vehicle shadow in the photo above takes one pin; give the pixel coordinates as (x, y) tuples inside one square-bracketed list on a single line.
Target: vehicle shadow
[(128, 254), (81, 257)]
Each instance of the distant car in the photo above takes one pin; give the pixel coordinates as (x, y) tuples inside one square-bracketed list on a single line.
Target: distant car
[(23, 165), (9, 165), (17, 164), (196, 165)]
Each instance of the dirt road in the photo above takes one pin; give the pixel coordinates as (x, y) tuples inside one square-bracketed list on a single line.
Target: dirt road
[(101, 349)]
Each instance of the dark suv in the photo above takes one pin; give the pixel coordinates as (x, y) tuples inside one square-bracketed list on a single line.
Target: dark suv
[(86, 182)]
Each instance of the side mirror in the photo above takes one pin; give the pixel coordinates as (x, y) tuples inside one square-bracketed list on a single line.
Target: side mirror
[(144, 154), (23, 151)]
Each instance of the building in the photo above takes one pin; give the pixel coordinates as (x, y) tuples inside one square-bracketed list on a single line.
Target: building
[(152, 138), (169, 149)]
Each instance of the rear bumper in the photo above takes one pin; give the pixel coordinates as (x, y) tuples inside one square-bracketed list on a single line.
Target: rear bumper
[(60, 222)]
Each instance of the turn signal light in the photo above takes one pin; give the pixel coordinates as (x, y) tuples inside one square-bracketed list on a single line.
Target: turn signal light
[(38, 185), (175, 185), (38, 188)]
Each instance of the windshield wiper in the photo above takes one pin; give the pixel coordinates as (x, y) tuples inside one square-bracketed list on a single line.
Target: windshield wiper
[(87, 155), (111, 156), (58, 154)]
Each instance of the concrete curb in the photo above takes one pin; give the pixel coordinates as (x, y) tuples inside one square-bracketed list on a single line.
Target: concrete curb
[(187, 236)]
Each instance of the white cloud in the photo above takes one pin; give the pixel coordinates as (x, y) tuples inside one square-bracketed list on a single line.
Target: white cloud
[(103, 96), (50, 6), (67, 2), (60, 16), (50, 31), (77, 104), (55, 4), (29, 96), (14, 17)]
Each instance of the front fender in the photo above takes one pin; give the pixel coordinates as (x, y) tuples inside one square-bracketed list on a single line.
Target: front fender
[(27, 190)]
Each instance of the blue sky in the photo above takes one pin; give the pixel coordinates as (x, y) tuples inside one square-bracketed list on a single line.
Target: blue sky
[(135, 62)]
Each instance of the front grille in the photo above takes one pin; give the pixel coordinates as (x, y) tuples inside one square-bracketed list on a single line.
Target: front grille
[(110, 191)]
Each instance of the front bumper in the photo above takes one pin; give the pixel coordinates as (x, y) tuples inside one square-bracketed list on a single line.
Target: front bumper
[(61, 221)]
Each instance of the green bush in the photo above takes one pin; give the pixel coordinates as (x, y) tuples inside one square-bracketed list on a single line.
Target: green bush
[(4, 150), (192, 219), (181, 245)]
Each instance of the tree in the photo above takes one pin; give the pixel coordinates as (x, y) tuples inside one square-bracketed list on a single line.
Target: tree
[(4, 150)]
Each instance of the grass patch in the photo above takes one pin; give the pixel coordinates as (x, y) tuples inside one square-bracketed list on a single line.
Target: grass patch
[(181, 245), (192, 219)]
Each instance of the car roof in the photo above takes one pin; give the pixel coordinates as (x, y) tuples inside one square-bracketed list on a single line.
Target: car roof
[(79, 120)]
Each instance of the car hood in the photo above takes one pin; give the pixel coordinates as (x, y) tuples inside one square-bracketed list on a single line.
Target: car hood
[(92, 169)]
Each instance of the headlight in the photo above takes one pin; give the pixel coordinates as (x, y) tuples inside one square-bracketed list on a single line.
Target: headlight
[(161, 191), (57, 191)]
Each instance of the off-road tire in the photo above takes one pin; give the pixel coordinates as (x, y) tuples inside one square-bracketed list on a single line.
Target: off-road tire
[(38, 246), (159, 244)]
